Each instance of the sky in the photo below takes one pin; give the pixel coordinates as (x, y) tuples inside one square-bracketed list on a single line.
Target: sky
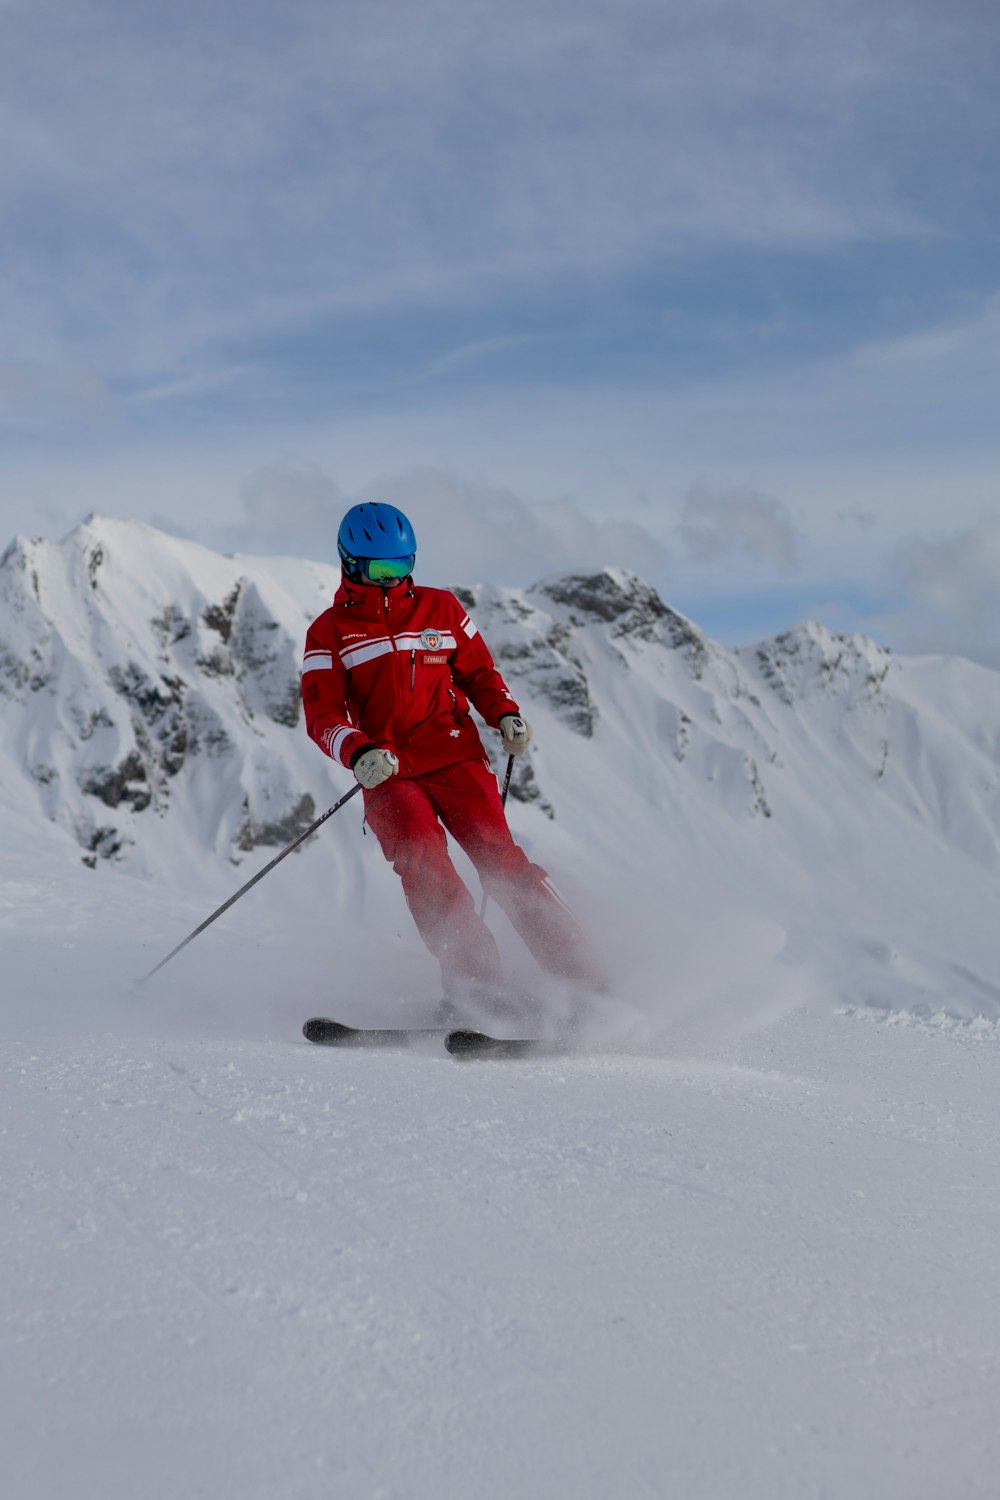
[(703, 288)]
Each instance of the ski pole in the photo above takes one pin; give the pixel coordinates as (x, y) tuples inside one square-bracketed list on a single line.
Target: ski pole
[(506, 781), (259, 876), (503, 803)]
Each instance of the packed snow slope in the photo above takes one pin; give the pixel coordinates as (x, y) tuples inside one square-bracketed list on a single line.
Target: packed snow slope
[(742, 1245), (841, 806)]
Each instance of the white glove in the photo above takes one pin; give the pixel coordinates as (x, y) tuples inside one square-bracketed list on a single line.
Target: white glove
[(374, 767), (516, 733)]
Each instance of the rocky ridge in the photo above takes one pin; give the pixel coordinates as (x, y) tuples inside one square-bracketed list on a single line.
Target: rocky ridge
[(150, 683)]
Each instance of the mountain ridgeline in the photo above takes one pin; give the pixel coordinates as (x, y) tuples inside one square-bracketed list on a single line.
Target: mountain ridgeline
[(151, 703)]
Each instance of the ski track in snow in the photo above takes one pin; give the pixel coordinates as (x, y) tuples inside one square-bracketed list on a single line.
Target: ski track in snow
[(264, 1269)]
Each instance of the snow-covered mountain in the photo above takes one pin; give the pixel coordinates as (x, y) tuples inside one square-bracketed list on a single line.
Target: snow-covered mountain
[(151, 713), (738, 1242)]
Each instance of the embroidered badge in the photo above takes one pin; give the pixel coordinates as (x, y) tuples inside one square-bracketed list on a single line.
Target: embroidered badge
[(431, 639)]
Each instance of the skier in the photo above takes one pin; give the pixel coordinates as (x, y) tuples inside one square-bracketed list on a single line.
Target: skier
[(389, 672)]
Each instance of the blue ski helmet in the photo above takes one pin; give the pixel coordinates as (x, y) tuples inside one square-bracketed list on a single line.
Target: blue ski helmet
[(376, 544)]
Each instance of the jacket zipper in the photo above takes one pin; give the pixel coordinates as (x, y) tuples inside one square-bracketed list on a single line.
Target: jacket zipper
[(395, 652), (413, 670)]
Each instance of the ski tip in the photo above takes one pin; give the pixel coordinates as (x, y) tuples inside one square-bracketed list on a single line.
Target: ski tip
[(479, 1044), (324, 1032), (459, 1042)]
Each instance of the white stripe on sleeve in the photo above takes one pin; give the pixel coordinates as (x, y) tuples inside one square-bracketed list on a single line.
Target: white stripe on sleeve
[(338, 738), (334, 739), (315, 661)]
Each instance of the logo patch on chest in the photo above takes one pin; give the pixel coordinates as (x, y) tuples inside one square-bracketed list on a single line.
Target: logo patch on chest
[(431, 639)]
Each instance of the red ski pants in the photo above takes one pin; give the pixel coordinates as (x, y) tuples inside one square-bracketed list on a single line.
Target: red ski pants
[(409, 817)]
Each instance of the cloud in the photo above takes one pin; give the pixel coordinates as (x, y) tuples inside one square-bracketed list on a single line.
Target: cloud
[(950, 590), (32, 394), (291, 512), (718, 524), (855, 516), (176, 175), (958, 575), (466, 532), (576, 248), (471, 354)]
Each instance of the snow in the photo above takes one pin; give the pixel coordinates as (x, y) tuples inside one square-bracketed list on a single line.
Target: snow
[(743, 1244), (239, 1265)]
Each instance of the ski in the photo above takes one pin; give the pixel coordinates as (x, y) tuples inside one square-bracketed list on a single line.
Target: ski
[(470, 1044), (323, 1032)]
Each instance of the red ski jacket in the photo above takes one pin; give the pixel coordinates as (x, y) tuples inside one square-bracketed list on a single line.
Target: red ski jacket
[(397, 668)]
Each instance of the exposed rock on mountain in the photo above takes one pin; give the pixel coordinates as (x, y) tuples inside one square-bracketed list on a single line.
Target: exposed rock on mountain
[(148, 679), (151, 710)]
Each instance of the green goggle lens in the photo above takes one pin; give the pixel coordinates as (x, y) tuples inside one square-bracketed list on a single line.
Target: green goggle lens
[(382, 569)]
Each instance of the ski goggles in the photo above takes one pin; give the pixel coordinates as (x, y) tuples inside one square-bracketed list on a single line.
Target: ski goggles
[(386, 569)]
